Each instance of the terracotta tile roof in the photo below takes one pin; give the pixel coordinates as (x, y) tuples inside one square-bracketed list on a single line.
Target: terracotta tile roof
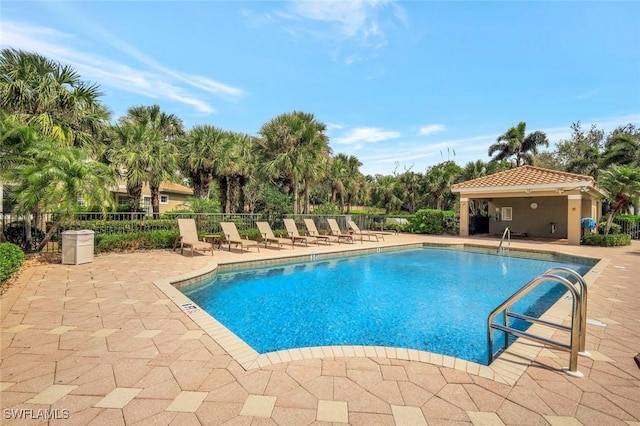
[(175, 187), (524, 176)]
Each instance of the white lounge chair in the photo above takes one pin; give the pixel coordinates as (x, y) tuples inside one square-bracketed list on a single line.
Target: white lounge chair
[(357, 231), (269, 238), (231, 236), (292, 229), (337, 232), (312, 231), (189, 238)]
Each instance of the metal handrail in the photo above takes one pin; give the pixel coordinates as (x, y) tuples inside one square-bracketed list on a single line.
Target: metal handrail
[(575, 329), (582, 285), (507, 233)]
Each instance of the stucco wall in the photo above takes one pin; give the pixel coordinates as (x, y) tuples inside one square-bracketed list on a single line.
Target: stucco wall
[(536, 223)]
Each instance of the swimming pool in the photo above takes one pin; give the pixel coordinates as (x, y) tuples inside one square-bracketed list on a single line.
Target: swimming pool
[(429, 299)]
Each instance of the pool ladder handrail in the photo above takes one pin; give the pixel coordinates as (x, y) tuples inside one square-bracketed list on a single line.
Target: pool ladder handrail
[(506, 233), (577, 329)]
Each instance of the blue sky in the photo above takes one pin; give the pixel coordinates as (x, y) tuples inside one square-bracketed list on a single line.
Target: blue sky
[(398, 84)]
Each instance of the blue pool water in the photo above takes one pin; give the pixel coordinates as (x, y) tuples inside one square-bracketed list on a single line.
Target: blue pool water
[(429, 299)]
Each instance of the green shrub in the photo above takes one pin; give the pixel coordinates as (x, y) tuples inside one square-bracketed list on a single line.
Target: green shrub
[(435, 222), (610, 240), (615, 228), (121, 226), (11, 257), (149, 240)]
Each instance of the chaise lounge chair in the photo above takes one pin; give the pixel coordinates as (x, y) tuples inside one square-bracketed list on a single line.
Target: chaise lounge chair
[(292, 229), (312, 231), (269, 238), (357, 231), (189, 237), (337, 232), (231, 236)]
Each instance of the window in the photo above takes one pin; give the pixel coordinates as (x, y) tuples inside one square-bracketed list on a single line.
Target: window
[(146, 204), (164, 199), (123, 200), (507, 213)]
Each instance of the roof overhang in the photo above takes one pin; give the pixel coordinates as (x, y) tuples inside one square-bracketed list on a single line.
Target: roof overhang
[(583, 186)]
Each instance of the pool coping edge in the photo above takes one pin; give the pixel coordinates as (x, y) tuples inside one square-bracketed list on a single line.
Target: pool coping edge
[(507, 368)]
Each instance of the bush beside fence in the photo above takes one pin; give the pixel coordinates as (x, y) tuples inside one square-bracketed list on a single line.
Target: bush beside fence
[(11, 258), (435, 222)]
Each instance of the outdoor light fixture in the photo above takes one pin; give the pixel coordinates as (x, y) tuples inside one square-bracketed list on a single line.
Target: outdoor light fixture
[(497, 213)]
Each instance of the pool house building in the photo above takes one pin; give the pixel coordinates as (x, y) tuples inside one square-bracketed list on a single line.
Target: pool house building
[(531, 202)]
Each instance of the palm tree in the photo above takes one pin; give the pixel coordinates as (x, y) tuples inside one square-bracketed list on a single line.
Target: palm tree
[(623, 185), (338, 176), (234, 174), (621, 149), (55, 179), (52, 98), (291, 146), (439, 178), (384, 188), (131, 157), (515, 142), (161, 154), (205, 150)]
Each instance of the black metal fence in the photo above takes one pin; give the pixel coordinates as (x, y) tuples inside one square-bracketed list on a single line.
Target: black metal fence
[(29, 232), (629, 227)]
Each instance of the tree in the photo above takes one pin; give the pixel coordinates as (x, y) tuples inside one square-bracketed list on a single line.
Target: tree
[(55, 179), (289, 152), (383, 193), (156, 133), (439, 179), (205, 151), (234, 173), (344, 179), (130, 155), (621, 149), (581, 153), (515, 142), (623, 185), (52, 99)]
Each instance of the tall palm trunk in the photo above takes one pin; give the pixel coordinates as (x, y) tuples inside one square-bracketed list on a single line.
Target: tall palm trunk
[(307, 198), (222, 183), (155, 200), (234, 198), (135, 193), (242, 181), (296, 205), (201, 184)]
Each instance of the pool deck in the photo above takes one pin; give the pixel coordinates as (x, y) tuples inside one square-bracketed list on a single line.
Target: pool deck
[(108, 343)]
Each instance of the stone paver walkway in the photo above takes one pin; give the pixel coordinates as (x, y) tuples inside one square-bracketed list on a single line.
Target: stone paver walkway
[(100, 344)]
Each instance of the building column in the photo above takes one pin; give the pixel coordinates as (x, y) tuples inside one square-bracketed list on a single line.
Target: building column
[(574, 230), (464, 217)]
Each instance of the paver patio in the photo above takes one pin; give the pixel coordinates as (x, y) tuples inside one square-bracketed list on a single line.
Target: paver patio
[(100, 343)]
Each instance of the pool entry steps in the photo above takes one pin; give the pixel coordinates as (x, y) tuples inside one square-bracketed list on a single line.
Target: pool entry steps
[(577, 330)]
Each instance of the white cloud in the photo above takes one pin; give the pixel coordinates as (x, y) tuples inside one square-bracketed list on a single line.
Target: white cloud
[(358, 26), (153, 80), (431, 128), (586, 95), (366, 134)]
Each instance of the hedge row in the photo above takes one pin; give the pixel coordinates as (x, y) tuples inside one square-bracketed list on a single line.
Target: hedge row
[(147, 240), (609, 240), (438, 222), (11, 258)]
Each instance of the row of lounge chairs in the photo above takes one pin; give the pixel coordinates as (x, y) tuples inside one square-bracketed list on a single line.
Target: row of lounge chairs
[(189, 235)]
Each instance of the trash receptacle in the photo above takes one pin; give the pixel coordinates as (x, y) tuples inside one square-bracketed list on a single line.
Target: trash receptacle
[(77, 247), (588, 224)]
